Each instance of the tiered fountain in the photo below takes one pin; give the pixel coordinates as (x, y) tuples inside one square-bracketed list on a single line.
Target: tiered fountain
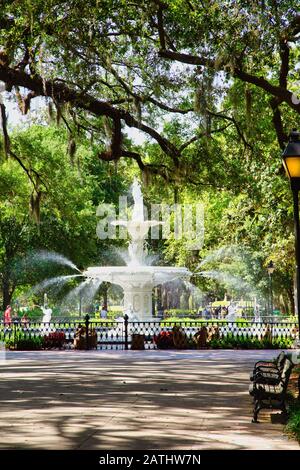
[(137, 279)]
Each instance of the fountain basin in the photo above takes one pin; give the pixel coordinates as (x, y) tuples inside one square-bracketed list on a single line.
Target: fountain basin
[(137, 283)]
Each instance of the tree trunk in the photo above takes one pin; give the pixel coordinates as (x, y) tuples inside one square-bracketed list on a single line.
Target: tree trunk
[(165, 298), (290, 294), (6, 293), (158, 298), (105, 294)]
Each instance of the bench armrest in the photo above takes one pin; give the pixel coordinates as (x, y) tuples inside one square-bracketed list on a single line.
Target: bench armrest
[(265, 364), (266, 369)]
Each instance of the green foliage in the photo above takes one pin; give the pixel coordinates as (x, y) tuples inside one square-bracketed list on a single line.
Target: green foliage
[(293, 425), (210, 127), (20, 342), (243, 342), (178, 313), (70, 196)]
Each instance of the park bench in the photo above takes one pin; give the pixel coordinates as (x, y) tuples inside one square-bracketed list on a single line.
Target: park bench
[(269, 388), (268, 368)]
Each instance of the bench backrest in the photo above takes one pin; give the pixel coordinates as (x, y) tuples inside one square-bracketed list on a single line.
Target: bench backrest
[(286, 372), (280, 360)]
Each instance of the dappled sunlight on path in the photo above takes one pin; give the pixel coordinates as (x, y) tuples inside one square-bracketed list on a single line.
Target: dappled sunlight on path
[(132, 400)]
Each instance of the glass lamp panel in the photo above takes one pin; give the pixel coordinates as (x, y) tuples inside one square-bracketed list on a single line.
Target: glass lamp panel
[(292, 166)]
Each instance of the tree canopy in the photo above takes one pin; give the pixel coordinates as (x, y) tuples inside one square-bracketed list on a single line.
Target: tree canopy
[(118, 64), (213, 88)]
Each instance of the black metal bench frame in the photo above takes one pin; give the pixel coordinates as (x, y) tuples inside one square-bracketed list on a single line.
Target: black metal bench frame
[(268, 367), (264, 397)]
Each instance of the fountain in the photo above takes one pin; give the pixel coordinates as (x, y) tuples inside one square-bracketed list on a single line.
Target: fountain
[(137, 279)]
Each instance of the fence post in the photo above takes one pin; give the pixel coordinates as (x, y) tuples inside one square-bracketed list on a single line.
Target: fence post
[(87, 322), (126, 331), (272, 332), (15, 333)]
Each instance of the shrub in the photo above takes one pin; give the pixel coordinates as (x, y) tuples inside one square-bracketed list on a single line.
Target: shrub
[(30, 344), (20, 343), (293, 425), (243, 342), (164, 340), (179, 314), (34, 314), (54, 340)]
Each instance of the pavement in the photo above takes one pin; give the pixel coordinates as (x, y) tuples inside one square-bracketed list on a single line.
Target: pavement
[(144, 400)]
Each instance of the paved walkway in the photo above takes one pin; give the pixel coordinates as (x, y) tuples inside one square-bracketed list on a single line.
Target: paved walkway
[(132, 400)]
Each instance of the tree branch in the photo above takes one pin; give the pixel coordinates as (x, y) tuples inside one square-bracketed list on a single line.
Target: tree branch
[(25, 60), (4, 129), (62, 93), (143, 99), (284, 69), (166, 107), (293, 29), (282, 137), (160, 27), (231, 119), (164, 143), (199, 136), (277, 91), (187, 58), (8, 151)]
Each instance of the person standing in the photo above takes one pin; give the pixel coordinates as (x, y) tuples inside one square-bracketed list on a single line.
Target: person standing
[(103, 313), (24, 319), (7, 314)]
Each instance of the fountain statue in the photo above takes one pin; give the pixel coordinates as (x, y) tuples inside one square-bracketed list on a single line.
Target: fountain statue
[(232, 312), (47, 311), (137, 279)]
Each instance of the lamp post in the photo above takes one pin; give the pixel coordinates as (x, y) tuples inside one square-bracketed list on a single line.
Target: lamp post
[(270, 269), (291, 162)]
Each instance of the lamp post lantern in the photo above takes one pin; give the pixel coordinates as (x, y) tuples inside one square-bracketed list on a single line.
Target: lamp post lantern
[(270, 269), (291, 162)]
